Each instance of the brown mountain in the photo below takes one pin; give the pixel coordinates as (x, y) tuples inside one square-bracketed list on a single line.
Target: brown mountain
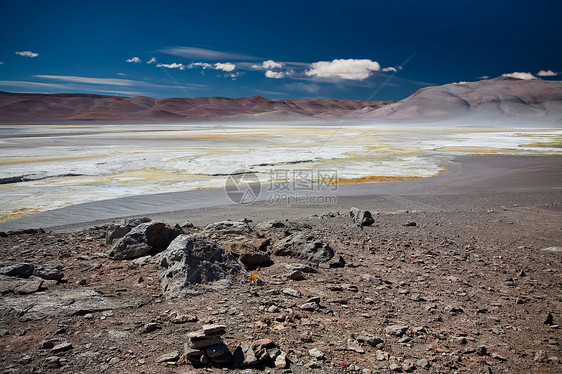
[(503, 97), (23, 107)]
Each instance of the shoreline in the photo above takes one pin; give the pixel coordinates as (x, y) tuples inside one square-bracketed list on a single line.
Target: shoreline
[(466, 175)]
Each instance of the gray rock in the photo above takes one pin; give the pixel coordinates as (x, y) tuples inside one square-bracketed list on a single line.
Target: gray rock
[(54, 273), (229, 227), (66, 302), (310, 306), (244, 356), (28, 286), (316, 353), (119, 229), (21, 270), (361, 217), (301, 267), (370, 339), (281, 361), (269, 225), (146, 238), (194, 260), (169, 357), (65, 346), (150, 327), (422, 363), (396, 330), (304, 246), (326, 215), (291, 292), (213, 329)]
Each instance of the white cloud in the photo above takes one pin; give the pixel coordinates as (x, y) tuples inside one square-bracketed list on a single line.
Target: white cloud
[(274, 74), (518, 75), (134, 60), (120, 73), (204, 54), (152, 60), (343, 69), (109, 81), (484, 77), (390, 68), (203, 65), (27, 54), (270, 64), (31, 84), (227, 66), (1, 62), (172, 66), (311, 88), (547, 73)]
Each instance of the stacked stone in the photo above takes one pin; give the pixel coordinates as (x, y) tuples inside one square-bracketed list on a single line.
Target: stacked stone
[(206, 346)]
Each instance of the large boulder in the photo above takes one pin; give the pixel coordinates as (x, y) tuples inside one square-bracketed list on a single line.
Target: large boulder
[(190, 261), (361, 217), (304, 246), (146, 238), (119, 229)]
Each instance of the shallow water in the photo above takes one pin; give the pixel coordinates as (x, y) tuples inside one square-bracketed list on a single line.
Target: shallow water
[(68, 164)]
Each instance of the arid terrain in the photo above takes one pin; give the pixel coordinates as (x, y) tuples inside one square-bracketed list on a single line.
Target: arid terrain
[(498, 97), (436, 282)]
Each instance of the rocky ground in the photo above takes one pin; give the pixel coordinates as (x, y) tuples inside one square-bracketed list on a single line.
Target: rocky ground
[(462, 290)]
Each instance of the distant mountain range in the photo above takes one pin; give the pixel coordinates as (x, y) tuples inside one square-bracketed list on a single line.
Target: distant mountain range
[(496, 97)]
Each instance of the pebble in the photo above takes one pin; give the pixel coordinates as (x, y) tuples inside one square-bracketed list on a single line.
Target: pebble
[(396, 330), (169, 357), (149, 327), (316, 353), (291, 292), (65, 346)]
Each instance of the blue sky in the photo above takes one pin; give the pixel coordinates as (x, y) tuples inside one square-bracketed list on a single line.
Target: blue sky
[(361, 50)]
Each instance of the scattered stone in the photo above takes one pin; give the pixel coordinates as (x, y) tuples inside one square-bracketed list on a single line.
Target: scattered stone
[(410, 224), (423, 363), (291, 292), (269, 225), (370, 339), (62, 347), (244, 356), (326, 215), (311, 306), (317, 354), (481, 350), (151, 237), (150, 327), (340, 263), (304, 246), (296, 275), (53, 362), (395, 367), (498, 357), (21, 270), (549, 319), (396, 330), (192, 260), (301, 267), (408, 366), (361, 217), (28, 287), (47, 344), (229, 227), (281, 361), (540, 356), (213, 330), (262, 343), (353, 345)]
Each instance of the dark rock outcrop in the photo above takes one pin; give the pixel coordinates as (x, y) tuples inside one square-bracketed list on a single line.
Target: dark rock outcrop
[(304, 246), (146, 238), (190, 261)]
